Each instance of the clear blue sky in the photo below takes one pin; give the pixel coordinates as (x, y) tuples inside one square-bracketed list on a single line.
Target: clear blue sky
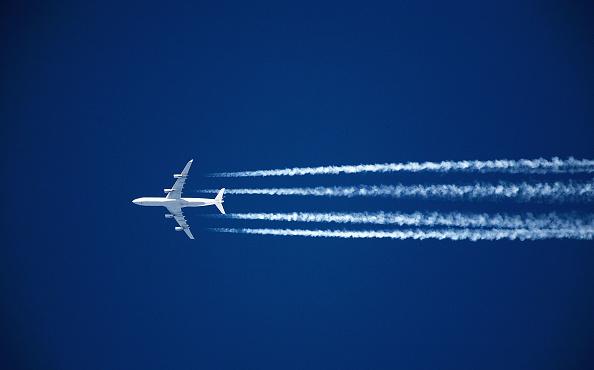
[(102, 102)]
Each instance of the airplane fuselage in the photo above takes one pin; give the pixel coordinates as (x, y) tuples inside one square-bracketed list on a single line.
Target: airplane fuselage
[(180, 202)]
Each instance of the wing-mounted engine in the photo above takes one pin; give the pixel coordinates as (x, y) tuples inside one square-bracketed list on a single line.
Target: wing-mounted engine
[(167, 215), (180, 179)]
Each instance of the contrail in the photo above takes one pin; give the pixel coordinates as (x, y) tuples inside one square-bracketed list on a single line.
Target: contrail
[(554, 191), (540, 165), (430, 219), (450, 234)]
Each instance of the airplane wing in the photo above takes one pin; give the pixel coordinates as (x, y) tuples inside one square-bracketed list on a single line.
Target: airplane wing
[(181, 220), (176, 189)]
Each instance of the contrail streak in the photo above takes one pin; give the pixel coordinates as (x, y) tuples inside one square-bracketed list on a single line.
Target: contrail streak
[(540, 165), (429, 219), (450, 234), (555, 191)]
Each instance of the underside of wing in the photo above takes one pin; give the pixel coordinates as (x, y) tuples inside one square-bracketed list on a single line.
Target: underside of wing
[(176, 190), (181, 221), (189, 233)]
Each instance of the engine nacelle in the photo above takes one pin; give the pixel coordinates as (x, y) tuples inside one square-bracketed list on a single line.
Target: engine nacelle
[(167, 191), (178, 176), (168, 215), (178, 228)]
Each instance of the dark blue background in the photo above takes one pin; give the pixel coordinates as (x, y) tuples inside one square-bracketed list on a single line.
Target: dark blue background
[(102, 103)]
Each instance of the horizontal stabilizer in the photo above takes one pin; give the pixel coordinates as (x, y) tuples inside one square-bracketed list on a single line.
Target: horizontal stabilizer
[(220, 207), (219, 200), (219, 197)]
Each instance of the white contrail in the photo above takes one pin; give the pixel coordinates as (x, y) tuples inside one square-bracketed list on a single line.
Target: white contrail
[(540, 165), (554, 191), (429, 219), (450, 234)]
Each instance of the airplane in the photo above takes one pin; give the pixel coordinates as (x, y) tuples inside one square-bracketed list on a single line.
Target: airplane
[(174, 201)]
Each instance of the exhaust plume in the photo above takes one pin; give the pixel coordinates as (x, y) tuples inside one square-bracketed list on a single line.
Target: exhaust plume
[(430, 219), (539, 166), (449, 234), (555, 191)]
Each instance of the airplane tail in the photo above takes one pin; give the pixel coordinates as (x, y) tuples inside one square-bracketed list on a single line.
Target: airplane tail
[(219, 201)]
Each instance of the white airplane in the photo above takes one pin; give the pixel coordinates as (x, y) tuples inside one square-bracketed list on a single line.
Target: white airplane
[(174, 201)]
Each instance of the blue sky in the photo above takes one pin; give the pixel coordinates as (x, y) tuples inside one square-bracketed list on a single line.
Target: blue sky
[(103, 102)]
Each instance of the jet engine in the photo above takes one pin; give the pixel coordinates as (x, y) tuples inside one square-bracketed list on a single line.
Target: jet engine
[(178, 228), (168, 215), (167, 191), (178, 176)]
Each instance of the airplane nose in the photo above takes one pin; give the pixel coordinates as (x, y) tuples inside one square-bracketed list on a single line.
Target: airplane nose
[(135, 201)]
